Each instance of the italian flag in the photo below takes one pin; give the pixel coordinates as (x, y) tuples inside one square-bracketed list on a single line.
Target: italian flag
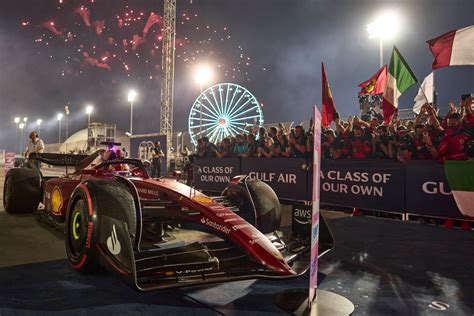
[(460, 175), (454, 48), (399, 79)]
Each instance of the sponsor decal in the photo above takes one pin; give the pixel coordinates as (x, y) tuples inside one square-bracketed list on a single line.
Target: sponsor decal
[(233, 219), (188, 271), (439, 306), (255, 238), (217, 207), (113, 244), (203, 199), (56, 201), (148, 191), (237, 227), (302, 216), (225, 214), (90, 226), (208, 222)]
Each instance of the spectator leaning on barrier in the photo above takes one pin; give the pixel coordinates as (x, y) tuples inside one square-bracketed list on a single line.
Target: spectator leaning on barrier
[(240, 147), (209, 150), (380, 142), (297, 142), (360, 146), (280, 149), (35, 145), (332, 145), (252, 146), (457, 132), (225, 151), (266, 151)]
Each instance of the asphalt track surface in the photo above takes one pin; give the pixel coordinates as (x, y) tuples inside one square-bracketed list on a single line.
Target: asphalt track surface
[(385, 267)]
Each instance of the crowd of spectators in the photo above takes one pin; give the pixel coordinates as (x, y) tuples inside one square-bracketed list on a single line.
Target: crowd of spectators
[(427, 137)]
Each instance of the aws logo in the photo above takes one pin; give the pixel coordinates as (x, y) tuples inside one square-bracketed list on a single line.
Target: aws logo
[(302, 216)]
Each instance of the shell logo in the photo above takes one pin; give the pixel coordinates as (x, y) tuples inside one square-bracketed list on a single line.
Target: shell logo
[(56, 201), (203, 199)]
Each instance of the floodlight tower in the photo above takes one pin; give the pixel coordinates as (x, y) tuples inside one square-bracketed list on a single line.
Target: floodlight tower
[(167, 74)]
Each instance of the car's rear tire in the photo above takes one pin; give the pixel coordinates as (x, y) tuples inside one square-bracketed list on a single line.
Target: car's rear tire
[(89, 201), (22, 190)]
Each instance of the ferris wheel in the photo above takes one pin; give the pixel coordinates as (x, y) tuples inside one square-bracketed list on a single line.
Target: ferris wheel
[(225, 109)]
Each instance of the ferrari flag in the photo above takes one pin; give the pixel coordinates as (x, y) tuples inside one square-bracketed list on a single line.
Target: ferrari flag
[(454, 48), (460, 175), (399, 79), (376, 84), (328, 103)]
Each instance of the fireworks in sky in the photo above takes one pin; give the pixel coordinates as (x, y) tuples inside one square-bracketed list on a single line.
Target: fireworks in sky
[(130, 40)]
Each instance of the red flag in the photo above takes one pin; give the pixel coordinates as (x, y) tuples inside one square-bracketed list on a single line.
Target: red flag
[(376, 84), (328, 103), (152, 19)]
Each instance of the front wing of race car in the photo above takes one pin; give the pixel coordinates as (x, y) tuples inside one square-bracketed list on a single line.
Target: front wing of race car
[(195, 263)]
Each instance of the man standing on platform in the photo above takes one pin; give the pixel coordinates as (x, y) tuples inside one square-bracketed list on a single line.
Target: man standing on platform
[(156, 161), (36, 145)]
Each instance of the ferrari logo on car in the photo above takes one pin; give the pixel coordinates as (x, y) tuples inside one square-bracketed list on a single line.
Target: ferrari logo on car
[(113, 244)]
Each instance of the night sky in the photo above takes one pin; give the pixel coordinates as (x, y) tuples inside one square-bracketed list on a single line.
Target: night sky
[(272, 47)]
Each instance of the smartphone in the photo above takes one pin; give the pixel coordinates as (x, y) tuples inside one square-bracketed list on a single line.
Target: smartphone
[(335, 116), (466, 96)]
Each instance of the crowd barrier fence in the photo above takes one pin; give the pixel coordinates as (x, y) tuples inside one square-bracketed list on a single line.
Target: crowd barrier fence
[(414, 188)]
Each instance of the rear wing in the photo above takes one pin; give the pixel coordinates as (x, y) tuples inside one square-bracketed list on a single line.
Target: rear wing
[(59, 160)]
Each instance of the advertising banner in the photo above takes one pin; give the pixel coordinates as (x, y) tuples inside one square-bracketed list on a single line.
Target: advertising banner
[(286, 176), (213, 174), (428, 192), (313, 268), (9, 161), (365, 184)]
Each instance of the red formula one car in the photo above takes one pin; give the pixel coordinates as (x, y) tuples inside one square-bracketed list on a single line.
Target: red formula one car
[(160, 233)]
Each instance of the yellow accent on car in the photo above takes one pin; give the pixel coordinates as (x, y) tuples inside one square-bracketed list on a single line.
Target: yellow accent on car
[(75, 225), (56, 201)]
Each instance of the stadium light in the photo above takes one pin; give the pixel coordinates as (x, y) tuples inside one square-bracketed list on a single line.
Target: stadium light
[(131, 98), (202, 76), (16, 120), (89, 110), (59, 118), (38, 123), (386, 25)]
